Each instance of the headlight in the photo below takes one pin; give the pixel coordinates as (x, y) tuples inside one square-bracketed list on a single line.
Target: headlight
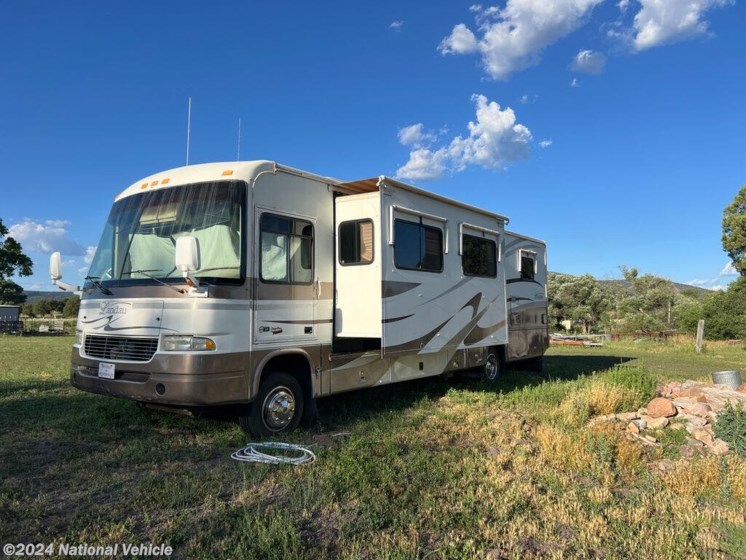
[(78, 337), (187, 343)]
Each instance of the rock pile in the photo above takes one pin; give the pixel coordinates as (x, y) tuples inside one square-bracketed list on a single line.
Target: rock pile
[(692, 406)]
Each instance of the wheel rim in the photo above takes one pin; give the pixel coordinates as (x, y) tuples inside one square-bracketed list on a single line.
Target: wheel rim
[(278, 409), (490, 367)]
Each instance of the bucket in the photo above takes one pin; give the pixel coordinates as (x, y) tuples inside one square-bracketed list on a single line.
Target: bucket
[(730, 378)]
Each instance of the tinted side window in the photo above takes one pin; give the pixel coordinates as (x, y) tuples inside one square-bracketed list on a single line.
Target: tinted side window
[(417, 246), (479, 256), (527, 266), (356, 242)]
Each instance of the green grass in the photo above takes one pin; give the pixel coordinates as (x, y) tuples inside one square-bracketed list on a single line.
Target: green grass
[(430, 469)]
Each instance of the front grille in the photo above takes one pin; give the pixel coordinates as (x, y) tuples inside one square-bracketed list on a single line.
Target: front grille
[(120, 348)]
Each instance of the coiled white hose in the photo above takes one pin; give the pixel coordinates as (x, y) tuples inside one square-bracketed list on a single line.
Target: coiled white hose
[(252, 454)]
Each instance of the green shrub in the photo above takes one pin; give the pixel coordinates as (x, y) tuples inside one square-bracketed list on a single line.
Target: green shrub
[(731, 427), (640, 385)]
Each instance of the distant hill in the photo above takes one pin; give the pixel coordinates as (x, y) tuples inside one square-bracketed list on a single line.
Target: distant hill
[(679, 287), (696, 290), (32, 296)]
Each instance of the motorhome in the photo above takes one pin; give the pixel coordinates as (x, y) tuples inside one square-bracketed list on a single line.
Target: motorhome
[(265, 287)]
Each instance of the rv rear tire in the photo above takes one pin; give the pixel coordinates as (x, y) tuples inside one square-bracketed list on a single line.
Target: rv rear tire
[(278, 407), (493, 366)]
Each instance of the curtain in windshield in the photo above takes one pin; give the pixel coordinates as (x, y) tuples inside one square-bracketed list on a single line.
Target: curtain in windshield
[(140, 236)]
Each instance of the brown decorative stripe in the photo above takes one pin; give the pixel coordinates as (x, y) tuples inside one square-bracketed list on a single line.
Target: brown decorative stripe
[(390, 288), (395, 319)]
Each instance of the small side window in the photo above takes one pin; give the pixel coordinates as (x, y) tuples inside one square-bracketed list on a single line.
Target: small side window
[(356, 242), (418, 247), (479, 256), (528, 265)]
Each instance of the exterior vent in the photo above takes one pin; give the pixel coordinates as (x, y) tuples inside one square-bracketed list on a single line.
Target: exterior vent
[(120, 348)]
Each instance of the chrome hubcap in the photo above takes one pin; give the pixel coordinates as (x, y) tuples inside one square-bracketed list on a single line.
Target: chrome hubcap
[(278, 408), (490, 367)]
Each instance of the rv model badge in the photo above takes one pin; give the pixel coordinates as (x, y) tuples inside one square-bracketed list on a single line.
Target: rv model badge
[(114, 308)]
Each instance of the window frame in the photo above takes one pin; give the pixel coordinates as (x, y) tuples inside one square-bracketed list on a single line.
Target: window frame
[(531, 254), (357, 234), (293, 220), (422, 227)]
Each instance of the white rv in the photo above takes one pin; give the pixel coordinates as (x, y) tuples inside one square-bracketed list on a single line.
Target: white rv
[(266, 287)]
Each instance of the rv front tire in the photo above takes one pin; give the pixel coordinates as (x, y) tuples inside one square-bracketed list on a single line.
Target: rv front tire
[(278, 407)]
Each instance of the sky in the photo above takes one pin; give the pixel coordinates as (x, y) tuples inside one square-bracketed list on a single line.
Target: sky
[(614, 130)]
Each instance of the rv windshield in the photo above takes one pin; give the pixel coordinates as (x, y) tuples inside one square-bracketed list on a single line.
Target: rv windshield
[(139, 240)]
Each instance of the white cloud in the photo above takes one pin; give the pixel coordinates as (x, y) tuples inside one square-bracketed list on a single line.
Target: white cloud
[(667, 21), (527, 99), (415, 135), (511, 38), (623, 5), (588, 62), (424, 165), (714, 284), (545, 143), (494, 141), (461, 41), (729, 270), (48, 237), (575, 83), (396, 25)]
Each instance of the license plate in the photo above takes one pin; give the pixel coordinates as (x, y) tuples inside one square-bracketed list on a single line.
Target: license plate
[(106, 371)]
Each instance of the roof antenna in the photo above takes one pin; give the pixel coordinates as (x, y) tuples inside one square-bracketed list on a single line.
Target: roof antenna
[(238, 151), (189, 128)]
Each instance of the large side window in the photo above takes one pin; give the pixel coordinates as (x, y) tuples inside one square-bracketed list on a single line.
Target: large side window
[(287, 250), (528, 265), (417, 246), (356, 242), (479, 256)]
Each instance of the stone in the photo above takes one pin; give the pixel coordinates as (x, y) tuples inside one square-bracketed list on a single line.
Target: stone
[(627, 416), (651, 439), (719, 447), (666, 465), (647, 419), (661, 407), (678, 426), (694, 442), (742, 388), (658, 423), (688, 451), (699, 409), (633, 428), (640, 423), (703, 435)]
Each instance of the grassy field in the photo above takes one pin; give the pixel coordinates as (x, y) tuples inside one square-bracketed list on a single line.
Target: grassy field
[(429, 469)]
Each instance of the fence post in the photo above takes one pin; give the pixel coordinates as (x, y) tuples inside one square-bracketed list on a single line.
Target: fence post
[(700, 335)]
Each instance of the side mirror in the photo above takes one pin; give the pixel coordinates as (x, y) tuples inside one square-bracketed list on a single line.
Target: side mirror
[(55, 266), (187, 254)]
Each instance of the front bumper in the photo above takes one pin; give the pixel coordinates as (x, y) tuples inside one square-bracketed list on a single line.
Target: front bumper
[(184, 379)]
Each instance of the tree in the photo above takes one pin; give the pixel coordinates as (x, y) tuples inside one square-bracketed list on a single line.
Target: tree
[(648, 302), (72, 306), (579, 298), (724, 312), (12, 260), (734, 231)]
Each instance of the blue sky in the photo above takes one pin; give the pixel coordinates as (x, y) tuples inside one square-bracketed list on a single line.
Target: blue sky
[(613, 130)]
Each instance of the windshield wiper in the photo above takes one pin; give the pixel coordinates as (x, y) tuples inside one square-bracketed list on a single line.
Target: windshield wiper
[(146, 273), (95, 281)]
